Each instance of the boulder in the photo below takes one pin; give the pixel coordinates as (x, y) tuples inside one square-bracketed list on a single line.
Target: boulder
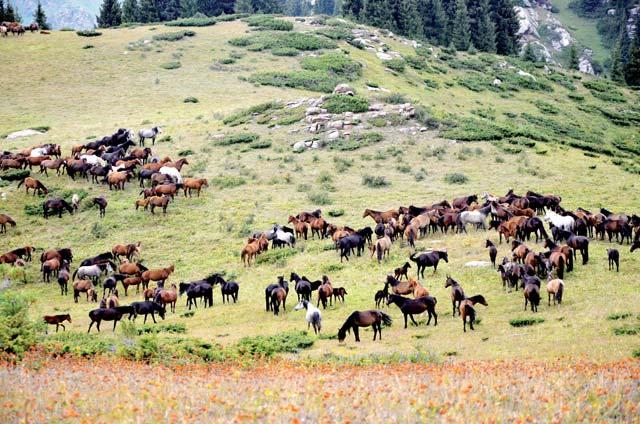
[(497, 82), (384, 56), (317, 144), (344, 89), (376, 107), (314, 110), (526, 74), (333, 135), (336, 124), (23, 133)]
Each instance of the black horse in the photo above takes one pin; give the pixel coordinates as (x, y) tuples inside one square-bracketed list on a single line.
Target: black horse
[(198, 289), (410, 307), (427, 259), (227, 288), (365, 232), (349, 243), (271, 287), (145, 174), (145, 308), (358, 319), (99, 259), (102, 205), (104, 314), (56, 206), (533, 225), (301, 286), (580, 243)]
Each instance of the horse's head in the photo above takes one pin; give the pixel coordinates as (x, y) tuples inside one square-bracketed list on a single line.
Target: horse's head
[(444, 255), (635, 245), (367, 212)]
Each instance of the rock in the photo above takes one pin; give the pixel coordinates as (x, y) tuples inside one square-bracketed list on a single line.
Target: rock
[(423, 129), (526, 74), (333, 135), (497, 82), (344, 89), (384, 56), (336, 124), (376, 107), (299, 146), (585, 64), (373, 88), (477, 264), (23, 133), (317, 144), (314, 110)]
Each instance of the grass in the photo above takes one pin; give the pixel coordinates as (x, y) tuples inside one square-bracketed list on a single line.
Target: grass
[(525, 322), (197, 229)]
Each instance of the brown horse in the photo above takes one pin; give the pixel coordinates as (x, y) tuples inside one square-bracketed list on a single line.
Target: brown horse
[(466, 310), (57, 320), (162, 202), (381, 248), (457, 294), (126, 250), (36, 161), (519, 250), (159, 275), (35, 185), (102, 204), (339, 293), (278, 297), (131, 281), (118, 179), (318, 226), (555, 288), (166, 190), (359, 319), (418, 289), (141, 153), (194, 184), (177, 164), (253, 248), (155, 166), (144, 203), (4, 220), (301, 228), (9, 258), (325, 292), (84, 286), (56, 164), (52, 266), (379, 216), (398, 273), (170, 296), (12, 163), (493, 251), (309, 216), (130, 268)]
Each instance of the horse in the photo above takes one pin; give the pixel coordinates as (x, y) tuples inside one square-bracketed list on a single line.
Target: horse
[(282, 283), (253, 248), (531, 293), (4, 220), (227, 288), (282, 237), (366, 233), (381, 217), (349, 243), (477, 217), (151, 133), (309, 216), (461, 202), (519, 251), (56, 205), (410, 307), (157, 201), (325, 292), (60, 254), (199, 289), (313, 315), (301, 286), (57, 320), (84, 286), (457, 294), (493, 251), (158, 275), (399, 287), (566, 223), (51, 266), (427, 259), (359, 319), (173, 172), (318, 226), (131, 268), (126, 250), (32, 183), (614, 259), (99, 259), (381, 248), (398, 273), (466, 309), (93, 271), (196, 184), (145, 308), (169, 296), (63, 278), (278, 297), (301, 227), (418, 289), (102, 205), (104, 314), (339, 293), (555, 288), (565, 250), (24, 252), (381, 296)]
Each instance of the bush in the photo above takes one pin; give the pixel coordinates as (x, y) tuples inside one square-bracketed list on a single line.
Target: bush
[(395, 99), (245, 115), (227, 181), (173, 328), (456, 178), (268, 23), (618, 316), (319, 198), (374, 181), (17, 331), (87, 46), (340, 103), (268, 346), (190, 99), (309, 80), (238, 138), (195, 22), (15, 174), (546, 107), (285, 51), (296, 40), (88, 33), (395, 65), (264, 144), (626, 330), (334, 213), (75, 344), (173, 36), (523, 322), (416, 62), (635, 353), (171, 65), (275, 256), (337, 64)]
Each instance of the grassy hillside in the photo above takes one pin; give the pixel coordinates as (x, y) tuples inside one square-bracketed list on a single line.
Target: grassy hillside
[(584, 30), (523, 133)]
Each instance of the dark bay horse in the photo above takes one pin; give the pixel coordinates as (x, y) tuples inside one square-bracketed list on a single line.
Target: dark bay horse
[(410, 307), (56, 206), (580, 243), (268, 291), (467, 310), (359, 319), (104, 314), (57, 320), (457, 294), (427, 259), (228, 289)]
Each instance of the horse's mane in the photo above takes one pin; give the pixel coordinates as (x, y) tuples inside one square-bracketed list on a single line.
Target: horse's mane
[(342, 332)]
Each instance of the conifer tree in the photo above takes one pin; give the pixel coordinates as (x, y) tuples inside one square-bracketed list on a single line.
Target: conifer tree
[(506, 23), (434, 20), (2, 19), (617, 70), (244, 6), (10, 14), (529, 54), (130, 11), (353, 9), (632, 69), (461, 28), (110, 14), (40, 17), (483, 31), (324, 7), (148, 11), (574, 58)]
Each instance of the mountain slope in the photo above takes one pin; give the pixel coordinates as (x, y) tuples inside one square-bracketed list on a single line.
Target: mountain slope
[(77, 14)]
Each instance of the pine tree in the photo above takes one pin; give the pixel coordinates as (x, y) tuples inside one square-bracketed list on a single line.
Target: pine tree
[(188, 8), (376, 13), (574, 58), (410, 23), (632, 69), (130, 11), (266, 6), (324, 7), (110, 14), (617, 70), (337, 7), (2, 18), (623, 38), (148, 11), (353, 9), (449, 7), (244, 6), (529, 54), (40, 17), (483, 31), (434, 20), (461, 28), (507, 25), (10, 14), (168, 10)]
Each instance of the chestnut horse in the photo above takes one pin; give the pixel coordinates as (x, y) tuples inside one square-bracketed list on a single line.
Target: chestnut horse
[(57, 320), (379, 216), (301, 227), (168, 296), (359, 319), (32, 183), (158, 275), (194, 184), (4, 220), (126, 250)]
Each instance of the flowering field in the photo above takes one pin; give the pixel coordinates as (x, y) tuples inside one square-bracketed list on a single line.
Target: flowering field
[(104, 390)]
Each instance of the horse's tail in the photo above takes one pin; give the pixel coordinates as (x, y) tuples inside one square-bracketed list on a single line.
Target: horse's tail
[(386, 319), (316, 320), (559, 292), (73, 277), (379, 252), (21, 182), (413, 257), (570, 262), (469, 311), (561, 267)]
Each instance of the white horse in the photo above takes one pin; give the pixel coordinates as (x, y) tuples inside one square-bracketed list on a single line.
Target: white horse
[(284, 237), (478, 217), (563, 222), (92, 271), (151, 133), (313, 316), (94, 160), (75, 201), (172, 172), (39, 152)]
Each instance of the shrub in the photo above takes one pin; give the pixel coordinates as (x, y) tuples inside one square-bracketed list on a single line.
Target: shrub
[(296, 40), (87, 46), (227, 61), (395, 99), (336, 213), (546, 107), (227, 181), (285, 51), (245, 115), (395, 65), (626, 330), (275, 256), (17, 331), (610, 96), (238, 138), (337, 64), (75, 344), (374, 181), (618, 316), (15, 174), (319, 198), (186, 152), (416, 62), (267, 346), (635, 353), (268, 23), (340, 103), (171, 65), (190, 99), (173, 328), (88, 33), (335, 33), (173, 36), (195, 22), (309, 80), (258, 144), (523, 322), (456, 178)]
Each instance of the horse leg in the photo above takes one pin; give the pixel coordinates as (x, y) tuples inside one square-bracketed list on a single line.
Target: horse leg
[(115, 321), (413, 320), (356, 332), (453, 308), (405, 320)]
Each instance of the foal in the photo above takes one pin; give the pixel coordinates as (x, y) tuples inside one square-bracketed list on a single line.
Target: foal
[(57, 320), (614, 259)]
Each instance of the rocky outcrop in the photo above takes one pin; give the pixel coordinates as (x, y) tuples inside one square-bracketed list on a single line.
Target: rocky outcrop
[(61, 13)]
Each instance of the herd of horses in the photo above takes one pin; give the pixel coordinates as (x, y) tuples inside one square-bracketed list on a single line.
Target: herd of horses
[(17, 29), (111, 160)]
